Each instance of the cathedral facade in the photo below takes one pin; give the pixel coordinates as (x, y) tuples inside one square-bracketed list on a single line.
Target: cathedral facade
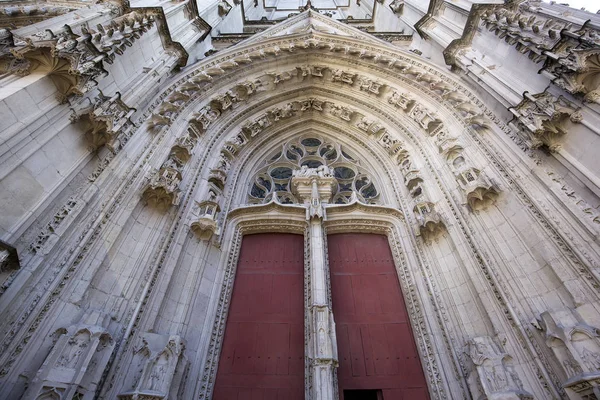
[(276, 199)]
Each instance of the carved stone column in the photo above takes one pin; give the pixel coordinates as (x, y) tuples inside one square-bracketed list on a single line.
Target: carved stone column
[(314, 186)]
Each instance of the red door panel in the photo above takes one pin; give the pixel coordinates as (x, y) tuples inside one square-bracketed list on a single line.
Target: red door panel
[(375, 343), (262, 356)]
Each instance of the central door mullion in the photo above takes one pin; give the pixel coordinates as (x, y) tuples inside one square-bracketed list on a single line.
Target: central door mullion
[(322, 348), (314, 186)]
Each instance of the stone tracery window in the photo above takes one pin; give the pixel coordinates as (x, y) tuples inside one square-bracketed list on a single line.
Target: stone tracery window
[(274, 178)]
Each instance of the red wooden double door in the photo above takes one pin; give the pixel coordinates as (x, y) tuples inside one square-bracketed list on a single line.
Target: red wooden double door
[(262, 356)]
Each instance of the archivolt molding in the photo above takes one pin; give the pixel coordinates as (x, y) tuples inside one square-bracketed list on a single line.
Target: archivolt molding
[(475, 252), (483, 260)]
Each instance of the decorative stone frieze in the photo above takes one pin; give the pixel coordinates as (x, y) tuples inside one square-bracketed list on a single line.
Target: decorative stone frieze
[(76, 363), (16, 14), (492, 374), (544, 118), (75, 61), (369, 126), (525, 28), (576, 346), (163, 365), (342, 112), (312, 70)]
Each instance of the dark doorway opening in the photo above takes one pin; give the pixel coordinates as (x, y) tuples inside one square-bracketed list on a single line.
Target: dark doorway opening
[(363, 395)]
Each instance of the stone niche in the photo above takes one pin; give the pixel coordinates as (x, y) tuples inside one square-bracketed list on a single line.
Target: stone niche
[(492, 374), (157, 368), (576, 347), (75, 365)]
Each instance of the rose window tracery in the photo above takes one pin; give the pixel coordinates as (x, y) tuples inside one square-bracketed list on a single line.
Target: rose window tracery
[(312, 153)]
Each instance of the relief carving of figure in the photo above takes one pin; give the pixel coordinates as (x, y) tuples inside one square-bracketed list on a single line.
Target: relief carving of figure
[(324, 171), (77, 344), (591, 360)]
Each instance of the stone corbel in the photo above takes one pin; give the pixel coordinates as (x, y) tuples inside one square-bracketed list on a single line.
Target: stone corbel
[(430, 224), (224, 8), (109, 118), (576, 346), (204, 118), (163, 189), (204, 224), (338, 75), (576, 71), (9, 260), (544, 118), (492, 374), (479, 191), (183, 147)]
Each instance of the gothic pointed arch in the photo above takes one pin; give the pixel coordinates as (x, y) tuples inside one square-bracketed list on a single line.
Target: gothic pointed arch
[(332, 147)]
